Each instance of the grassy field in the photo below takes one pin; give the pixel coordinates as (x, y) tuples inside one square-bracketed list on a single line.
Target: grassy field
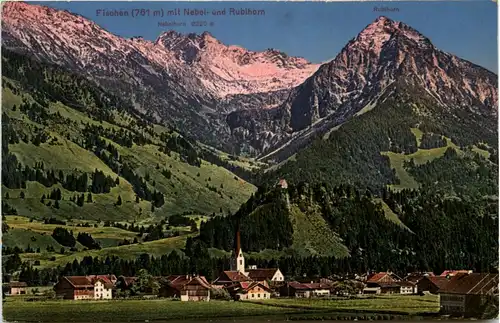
[(398, 303), (313, 236), (132, 310), (389, 214), (421, 156), (155, 248), (36, 234), (163, 309)]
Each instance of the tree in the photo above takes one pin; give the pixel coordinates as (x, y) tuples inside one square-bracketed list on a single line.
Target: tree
[(89, 197), (21, 195), (119, 201), (7, 196), (145, 283), (56, 204), (137, 199)]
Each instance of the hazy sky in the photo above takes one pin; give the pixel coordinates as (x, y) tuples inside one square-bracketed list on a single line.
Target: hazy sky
[(314, 30)]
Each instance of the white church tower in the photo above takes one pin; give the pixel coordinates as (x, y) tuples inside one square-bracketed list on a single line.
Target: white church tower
[(237, 258)]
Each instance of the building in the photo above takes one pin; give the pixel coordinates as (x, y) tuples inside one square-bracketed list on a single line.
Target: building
[(85, 287), (388, 283), (467, 294), (237, 262), (431, 284), (305, 290), (174, 286), (197, 289), (266, 274), (228, 278), (249, 291), (16, 288)]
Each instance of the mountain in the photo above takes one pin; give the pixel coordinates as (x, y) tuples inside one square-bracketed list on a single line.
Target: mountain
[(184, 80), (386, 58)]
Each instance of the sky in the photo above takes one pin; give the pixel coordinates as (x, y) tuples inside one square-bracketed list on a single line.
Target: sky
[(316, 31)]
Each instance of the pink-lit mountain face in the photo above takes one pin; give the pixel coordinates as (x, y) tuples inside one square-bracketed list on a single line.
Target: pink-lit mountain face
[(182, 78), (259, 102)]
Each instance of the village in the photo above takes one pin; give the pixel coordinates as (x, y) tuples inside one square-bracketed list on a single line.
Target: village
[(461, 292)]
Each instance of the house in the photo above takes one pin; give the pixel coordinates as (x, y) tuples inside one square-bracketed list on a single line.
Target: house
[(16, 288), (431, 284), (451, 273), (197, 289), (382, 283), (406, 287), (175, 285), (249, 290), (305, 290), (84, 287), (266, 274), (467, 294), (228, 278)]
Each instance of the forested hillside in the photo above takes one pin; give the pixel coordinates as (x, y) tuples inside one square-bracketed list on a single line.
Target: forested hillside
[(376, 149), (430, 231), (105, 160)]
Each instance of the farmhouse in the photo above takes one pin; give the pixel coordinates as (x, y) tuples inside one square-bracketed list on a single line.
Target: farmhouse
[(388, 283), (431, 284), (249, 290), (16, 288), (304, 290), (228, 278), (197, 289), (265, 274), (175, 286), (85, 287), (467, 294)]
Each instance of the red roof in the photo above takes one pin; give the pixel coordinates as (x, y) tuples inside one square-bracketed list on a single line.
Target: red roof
[(232, 276), (262, 274), (244, 287), (89, 281), (310, 286), (79, 281), (454, 272), (374, 278), (439, 281), (475, 283)]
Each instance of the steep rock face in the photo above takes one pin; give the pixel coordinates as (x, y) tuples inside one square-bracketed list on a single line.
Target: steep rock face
[(385, 52), (186, 80), (232, 70)]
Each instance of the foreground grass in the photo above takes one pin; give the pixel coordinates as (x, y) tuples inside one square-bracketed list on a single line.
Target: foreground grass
[(397, 303), (132, 310), (162, 309)]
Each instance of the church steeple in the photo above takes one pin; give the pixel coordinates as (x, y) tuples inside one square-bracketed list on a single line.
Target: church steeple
[(237, 258)]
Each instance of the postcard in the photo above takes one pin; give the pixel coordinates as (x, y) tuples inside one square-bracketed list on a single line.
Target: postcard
[(251, 161)]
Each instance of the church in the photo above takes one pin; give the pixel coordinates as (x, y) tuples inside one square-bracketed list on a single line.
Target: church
[(239, 273)]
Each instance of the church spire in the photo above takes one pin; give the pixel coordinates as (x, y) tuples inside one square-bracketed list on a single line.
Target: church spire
[(237, 258)]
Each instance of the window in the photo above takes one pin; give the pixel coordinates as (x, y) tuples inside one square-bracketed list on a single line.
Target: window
[(253, 295), (258, 296), (241, 262)]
